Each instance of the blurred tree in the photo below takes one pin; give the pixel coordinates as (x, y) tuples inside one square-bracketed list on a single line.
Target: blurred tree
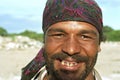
[(32, 35), (111, 34), (3, 32), (107, 29), (114, 35)]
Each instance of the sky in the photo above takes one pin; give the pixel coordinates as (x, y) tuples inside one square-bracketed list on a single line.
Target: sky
[(19, 15)]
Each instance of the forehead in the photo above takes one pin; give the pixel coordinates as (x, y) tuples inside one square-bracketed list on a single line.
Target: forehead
[(72, 26)]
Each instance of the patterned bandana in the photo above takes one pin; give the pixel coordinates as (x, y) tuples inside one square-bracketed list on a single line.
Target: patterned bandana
[(72, 10), (29, 71)]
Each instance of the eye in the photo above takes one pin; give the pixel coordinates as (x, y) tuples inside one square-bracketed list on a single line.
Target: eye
[(57, 35), (86, 37)]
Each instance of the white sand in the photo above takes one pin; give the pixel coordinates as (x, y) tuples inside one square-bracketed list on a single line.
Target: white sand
[(108, 64)]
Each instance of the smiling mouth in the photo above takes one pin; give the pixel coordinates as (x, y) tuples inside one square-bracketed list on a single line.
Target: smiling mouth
[(68, 63)]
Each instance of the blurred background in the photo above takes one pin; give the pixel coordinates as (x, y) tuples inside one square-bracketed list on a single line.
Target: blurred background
[(21, 37)]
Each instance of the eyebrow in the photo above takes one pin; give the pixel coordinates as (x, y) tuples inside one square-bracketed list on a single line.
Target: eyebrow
[(56, 30), (88, 31), (80, 32)]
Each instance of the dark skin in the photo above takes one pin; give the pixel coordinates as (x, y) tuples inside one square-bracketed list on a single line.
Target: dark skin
[(71, 50)]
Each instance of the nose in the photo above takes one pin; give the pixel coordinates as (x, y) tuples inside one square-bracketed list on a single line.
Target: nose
[(71, 46)]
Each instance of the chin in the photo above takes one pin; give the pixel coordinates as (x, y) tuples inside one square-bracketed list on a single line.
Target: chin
[(62, 74)]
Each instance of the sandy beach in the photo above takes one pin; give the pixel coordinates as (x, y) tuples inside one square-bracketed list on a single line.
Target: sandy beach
[(11, 61)]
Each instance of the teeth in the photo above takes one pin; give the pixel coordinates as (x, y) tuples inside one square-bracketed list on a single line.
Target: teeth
[(69, 64)]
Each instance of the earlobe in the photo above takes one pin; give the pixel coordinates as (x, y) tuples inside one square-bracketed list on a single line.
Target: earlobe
[(99, 48)]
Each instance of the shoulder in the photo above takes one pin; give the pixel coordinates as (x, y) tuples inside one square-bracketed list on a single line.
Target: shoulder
[(97, 75), (41, 74)]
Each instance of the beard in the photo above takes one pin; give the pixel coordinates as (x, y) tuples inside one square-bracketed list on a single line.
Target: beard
[(62, 74)]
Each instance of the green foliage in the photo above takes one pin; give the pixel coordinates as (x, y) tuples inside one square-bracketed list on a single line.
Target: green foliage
[(114, 35), (107, 29), (32, 35), (111, 34), (3, 32)]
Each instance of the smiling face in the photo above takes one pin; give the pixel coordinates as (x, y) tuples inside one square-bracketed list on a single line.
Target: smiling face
[(70, 50)]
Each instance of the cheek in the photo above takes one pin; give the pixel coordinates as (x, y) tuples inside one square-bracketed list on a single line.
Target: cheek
[(51, 46), (57, 64), (92, 49)]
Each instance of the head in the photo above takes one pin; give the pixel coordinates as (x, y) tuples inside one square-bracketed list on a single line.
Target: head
[(72, 36)]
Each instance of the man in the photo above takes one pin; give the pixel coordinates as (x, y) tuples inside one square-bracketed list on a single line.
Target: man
[(72, 36)]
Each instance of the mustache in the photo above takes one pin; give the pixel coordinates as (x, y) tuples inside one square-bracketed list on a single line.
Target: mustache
[(76, 57)]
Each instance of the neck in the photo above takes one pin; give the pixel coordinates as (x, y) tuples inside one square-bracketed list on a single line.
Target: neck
[(90, 76)]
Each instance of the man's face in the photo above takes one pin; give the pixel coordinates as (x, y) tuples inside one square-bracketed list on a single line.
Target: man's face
[(70, 50)]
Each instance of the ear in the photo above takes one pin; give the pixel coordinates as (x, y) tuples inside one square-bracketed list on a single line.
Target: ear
[(99, 48)]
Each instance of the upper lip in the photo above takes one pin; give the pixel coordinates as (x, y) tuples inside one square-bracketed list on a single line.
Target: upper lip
[(68, 59)]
